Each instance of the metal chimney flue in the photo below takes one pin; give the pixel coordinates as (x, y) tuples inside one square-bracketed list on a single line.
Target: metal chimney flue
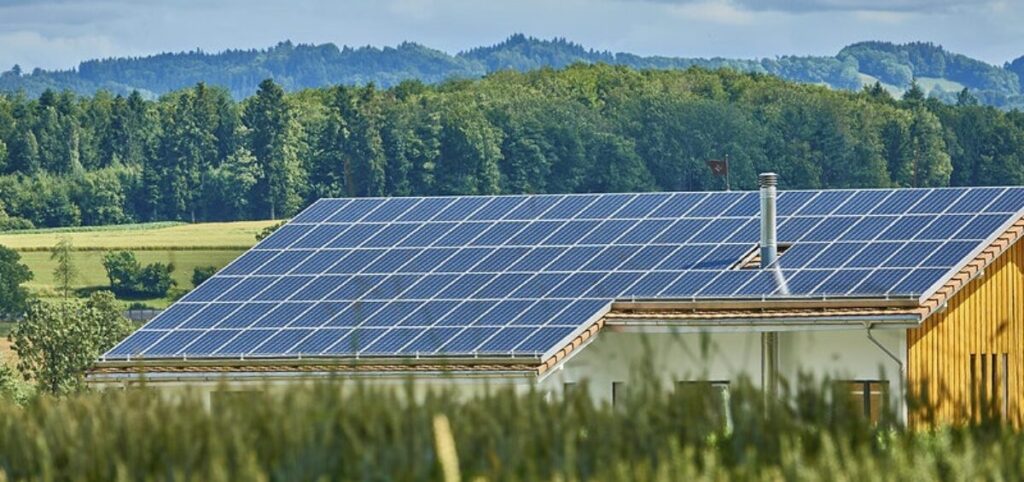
[(769, 240), (769, 252)]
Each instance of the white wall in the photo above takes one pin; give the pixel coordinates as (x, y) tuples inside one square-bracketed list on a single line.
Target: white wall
[(615, 357)]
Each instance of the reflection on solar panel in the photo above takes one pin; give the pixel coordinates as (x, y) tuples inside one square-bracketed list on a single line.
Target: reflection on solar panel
[(518, 275)]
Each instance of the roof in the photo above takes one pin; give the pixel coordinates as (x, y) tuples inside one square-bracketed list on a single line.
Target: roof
[(524, 277)]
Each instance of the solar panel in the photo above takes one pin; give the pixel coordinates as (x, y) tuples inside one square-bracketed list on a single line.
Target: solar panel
[(517, 275)]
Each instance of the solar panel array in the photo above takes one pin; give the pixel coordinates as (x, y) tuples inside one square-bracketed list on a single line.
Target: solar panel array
[(518, 275)]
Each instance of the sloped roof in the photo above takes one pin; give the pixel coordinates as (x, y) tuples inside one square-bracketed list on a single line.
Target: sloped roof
[(521, 277)]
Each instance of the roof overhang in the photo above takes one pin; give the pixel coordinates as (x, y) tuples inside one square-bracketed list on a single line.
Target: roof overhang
[(215, 370)]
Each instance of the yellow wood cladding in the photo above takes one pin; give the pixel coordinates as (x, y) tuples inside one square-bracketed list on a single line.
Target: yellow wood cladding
[(980, 324)]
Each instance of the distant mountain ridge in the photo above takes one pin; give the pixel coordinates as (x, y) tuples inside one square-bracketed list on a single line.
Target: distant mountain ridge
[(296, 66)]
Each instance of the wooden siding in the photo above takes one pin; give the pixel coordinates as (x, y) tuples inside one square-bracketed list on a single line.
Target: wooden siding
[(982, 321)]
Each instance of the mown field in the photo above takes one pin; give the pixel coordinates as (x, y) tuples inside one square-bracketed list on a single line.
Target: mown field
[(186, 245)]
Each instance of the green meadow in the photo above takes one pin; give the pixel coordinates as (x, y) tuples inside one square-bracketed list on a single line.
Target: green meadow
[(187, 246)]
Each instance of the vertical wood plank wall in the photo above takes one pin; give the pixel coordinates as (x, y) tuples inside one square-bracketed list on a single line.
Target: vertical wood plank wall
[(986, 317)]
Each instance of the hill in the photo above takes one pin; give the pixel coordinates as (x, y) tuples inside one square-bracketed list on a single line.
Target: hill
[(302, 66)]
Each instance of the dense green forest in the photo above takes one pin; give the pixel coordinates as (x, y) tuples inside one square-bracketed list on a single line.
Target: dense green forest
[(940, 73), (196, 154)]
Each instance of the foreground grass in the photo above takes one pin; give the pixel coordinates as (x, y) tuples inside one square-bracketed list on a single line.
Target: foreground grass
[(187, 246), (350, 432)]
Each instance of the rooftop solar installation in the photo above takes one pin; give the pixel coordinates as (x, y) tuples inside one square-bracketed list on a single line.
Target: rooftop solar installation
[(505, 276)]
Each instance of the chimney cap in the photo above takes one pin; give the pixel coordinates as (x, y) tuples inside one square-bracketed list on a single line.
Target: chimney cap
[(767, 179)]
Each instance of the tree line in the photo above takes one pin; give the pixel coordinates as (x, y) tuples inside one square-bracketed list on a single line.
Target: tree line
[(303, 66), (198, 155)]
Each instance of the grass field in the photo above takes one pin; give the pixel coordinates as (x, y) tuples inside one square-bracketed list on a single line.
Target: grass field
[(185, 245), (159, 236)]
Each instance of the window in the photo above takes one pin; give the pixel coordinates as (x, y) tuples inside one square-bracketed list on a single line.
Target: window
[(618, 393), (990, 386), (869, 396)]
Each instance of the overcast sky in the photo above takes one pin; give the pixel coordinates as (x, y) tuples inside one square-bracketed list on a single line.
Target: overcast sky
[(60, 33)]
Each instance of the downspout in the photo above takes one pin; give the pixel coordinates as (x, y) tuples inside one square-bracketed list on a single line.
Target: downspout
[(899, 365), (769, 252)]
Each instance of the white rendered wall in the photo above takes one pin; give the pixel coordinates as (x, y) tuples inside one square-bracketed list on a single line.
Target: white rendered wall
[(615, 357)]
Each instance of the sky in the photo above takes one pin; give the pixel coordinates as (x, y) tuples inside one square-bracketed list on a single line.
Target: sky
[(57, 34)]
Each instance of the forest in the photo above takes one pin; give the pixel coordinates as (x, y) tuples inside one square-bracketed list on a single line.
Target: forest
[(300, 66), (196, 154)]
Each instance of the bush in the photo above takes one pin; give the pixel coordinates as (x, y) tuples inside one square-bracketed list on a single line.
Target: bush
[(13, 386), (202, 273), (155, 279), (15, 223), (267, 231), (128, 278)]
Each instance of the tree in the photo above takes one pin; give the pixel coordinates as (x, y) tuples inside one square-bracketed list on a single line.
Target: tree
[(65, 272), (470, 153), (227, 194), (122, 271), (365, 147), (273, 140), (56, 343), (13, 296)]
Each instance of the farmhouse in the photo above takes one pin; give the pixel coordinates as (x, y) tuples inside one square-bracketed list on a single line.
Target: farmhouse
[(890, 291)]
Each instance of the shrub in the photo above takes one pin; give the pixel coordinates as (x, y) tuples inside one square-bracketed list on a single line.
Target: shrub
[(202, 273), (155, 279), (267, 231), (129, 278), (15, 223)]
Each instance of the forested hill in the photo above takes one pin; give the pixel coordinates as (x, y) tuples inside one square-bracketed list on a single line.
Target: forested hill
[(197, 154), (940, 73)]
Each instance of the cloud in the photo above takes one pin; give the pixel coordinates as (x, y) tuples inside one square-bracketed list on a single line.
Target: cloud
[(812, 6), (60, 33), (714, 11)]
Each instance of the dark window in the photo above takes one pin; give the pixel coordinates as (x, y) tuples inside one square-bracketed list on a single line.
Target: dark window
[(618, 393), (990, 386)]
